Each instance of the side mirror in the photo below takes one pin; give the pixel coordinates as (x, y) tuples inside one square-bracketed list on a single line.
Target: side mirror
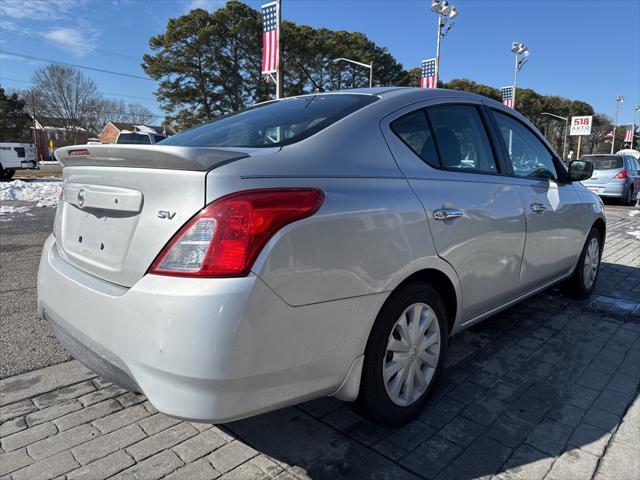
[(580, 170)]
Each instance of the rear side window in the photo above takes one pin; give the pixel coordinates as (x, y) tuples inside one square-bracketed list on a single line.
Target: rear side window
[(461, 139), (413, 129), (529, 157), (274, 123), (605, 162), (19, 151)]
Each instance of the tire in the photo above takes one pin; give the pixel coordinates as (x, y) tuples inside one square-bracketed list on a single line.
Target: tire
[(7, 174), (628, 200), (583, 280), (376, 397)]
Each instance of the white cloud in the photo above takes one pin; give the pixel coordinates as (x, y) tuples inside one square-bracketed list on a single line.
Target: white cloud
[(209, 5), (38, 9), (76, 40)]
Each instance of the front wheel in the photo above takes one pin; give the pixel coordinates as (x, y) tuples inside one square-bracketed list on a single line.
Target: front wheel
[(6, 173), (404, 355), (583, 280)]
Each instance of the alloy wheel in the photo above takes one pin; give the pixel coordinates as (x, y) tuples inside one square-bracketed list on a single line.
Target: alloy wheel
[(591, 262), (412, 354)]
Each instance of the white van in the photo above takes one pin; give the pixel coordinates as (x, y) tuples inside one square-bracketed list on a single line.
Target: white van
[(16, 156)]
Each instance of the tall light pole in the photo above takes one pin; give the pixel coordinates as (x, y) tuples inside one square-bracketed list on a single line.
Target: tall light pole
[(566, 124), (636, 109), (522, 53), (619, 100), (366, 65), (445, 12)]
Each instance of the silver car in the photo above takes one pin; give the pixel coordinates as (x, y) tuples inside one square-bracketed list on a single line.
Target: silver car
[(614, 176), (325, 244)]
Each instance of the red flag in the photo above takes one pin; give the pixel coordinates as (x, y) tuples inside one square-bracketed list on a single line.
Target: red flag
[(270, 46), (628, 136), (428, 75), (507, 96)]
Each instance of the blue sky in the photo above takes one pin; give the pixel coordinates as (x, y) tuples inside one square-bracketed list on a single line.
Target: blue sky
[(581, 49)]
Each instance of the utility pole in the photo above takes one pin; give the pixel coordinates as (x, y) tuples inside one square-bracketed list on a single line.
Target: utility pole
[(279, 71), (522, 53), (33, 110), (445, 12), (619, 100), (440, 25)]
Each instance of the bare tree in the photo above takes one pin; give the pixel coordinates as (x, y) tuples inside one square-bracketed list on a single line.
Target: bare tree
[(139, 114), (67, 94)]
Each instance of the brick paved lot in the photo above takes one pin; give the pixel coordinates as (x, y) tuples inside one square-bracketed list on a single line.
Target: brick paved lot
[(547, 389)]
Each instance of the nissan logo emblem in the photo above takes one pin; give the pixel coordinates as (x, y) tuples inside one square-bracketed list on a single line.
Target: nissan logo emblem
[(81, 197)]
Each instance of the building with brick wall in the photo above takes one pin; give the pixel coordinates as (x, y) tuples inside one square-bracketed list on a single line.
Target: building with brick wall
[(54, 132), (111, 130)]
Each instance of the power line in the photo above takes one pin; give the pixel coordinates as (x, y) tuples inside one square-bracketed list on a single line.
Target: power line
[(42, 38), (105, 93), (122, 112), (84, 67)]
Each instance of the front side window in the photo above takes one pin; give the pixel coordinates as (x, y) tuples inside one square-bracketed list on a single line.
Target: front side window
[(414, 131), (273, 124), (529, 157), (461, 139)]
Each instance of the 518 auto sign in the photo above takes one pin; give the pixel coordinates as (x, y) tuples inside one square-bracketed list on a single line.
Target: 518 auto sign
[(581, 125)]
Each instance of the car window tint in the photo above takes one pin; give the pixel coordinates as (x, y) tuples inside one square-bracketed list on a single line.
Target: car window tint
[(273, 124), (529, 157), (605, 162), (413, 129), (461, 139)]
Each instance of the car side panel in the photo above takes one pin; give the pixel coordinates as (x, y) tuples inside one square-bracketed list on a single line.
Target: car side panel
[(366, 235)]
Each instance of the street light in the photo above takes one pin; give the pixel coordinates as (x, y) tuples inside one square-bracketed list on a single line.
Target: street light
[(636, 109), (445, 12), (366, 65), (566, 124), (619, 100), (522, 55)]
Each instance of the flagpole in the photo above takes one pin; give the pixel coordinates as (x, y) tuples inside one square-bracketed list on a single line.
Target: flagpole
[(279, 71), (438, 49)]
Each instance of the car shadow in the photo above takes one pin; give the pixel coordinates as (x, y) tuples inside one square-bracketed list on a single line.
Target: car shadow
[(550, 377)]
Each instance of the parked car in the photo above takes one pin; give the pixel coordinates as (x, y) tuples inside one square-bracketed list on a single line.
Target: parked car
[(16, 156), (614, 176), (327, 244), (139, 138)]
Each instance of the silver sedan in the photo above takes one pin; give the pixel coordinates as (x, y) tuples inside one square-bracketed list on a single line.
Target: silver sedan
[(325, 244)]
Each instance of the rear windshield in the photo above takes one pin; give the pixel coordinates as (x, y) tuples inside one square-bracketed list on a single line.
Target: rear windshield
[(273, 124), (134, 138), (605, 162)]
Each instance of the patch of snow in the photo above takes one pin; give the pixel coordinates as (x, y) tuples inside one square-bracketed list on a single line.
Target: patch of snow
[(7, 209), (633, 213), (43, 192), (634, 233), (144, 129)]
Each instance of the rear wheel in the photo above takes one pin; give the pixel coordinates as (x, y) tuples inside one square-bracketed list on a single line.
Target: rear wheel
[(628, 199), (583, 280), (405, 354)]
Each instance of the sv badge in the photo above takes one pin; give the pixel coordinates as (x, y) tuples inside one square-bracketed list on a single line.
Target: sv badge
[(166, 214)]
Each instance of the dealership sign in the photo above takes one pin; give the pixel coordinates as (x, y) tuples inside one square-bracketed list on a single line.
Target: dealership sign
[(581, 125)]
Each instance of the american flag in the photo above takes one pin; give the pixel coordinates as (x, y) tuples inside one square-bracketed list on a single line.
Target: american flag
[(507, 96), (270, 47), (428, 74), (628, 136)]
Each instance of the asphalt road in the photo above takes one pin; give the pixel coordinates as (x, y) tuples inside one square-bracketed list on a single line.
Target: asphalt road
[(26, 343)]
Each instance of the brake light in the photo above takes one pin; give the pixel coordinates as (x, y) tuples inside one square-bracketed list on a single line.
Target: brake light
[(622, 174), (224, 239), (80, 153)]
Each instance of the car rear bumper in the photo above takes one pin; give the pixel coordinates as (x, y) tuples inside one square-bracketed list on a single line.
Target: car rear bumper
[(608, 189), (28, 165), (202, 349)]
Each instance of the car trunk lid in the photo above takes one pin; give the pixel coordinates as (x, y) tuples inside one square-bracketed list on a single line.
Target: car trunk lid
[(122, 204)]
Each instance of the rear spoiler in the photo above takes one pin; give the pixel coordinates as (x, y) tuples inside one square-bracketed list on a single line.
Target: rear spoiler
[(146, 156)]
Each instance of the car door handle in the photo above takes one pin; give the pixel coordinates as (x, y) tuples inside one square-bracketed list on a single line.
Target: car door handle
[(447, 213), (537, 207)]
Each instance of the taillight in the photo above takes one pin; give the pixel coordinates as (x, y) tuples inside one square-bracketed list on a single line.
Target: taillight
[(622, 174), (224, 239)]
